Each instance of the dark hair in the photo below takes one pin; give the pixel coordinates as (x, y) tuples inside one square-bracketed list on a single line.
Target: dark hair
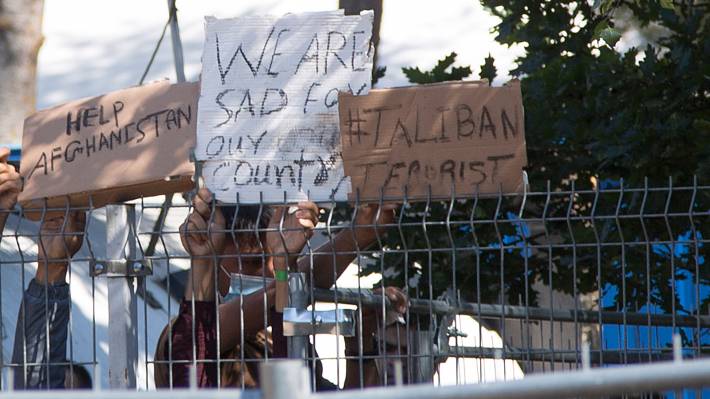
[(245, 220), (77, 377)]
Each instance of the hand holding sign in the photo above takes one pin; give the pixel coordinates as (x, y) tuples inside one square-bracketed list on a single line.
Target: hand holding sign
[(10, 182), (61, 237), (292, 229), (267, 125), (203, 232)]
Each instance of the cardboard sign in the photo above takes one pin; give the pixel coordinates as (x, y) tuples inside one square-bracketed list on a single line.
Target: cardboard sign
[(116, 147), (457, 138), (268, 126)]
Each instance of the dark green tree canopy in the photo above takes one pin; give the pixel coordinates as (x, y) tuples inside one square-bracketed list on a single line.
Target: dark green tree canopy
[(597, 118), (593, 111)]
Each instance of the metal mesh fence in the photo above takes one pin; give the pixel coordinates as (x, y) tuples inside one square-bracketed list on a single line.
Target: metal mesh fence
[(496, 288)]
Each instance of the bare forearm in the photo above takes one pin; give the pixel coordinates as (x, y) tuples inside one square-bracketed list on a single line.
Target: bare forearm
[(333, 257), (253, 314), (201, 281)]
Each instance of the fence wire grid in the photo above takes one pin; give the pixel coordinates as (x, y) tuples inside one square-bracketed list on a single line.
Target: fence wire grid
[(453, 292)]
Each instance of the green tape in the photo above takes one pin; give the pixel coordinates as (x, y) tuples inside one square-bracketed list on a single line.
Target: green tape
[(281, 275)]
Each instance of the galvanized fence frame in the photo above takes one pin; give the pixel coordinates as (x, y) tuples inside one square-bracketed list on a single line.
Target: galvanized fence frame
[(517, 225)]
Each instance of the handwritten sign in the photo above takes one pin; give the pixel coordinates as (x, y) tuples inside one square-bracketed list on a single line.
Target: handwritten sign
[(467, 137), (116, 147), (268, 121)]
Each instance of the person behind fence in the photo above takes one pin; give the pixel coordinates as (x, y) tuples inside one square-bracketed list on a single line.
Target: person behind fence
[(45, 303), (41, 334), (241, 250)]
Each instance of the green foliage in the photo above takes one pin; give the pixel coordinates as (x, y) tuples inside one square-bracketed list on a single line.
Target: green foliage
[(592, 111), (610, 35), (378, 73), (439, 72), (592, 115), (488, 69), (595, 113)]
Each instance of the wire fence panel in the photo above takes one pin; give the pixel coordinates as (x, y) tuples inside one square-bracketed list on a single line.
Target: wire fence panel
[(450, 292)]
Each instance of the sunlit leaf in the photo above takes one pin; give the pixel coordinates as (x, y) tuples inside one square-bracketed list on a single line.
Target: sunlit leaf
[(488, 69), (610, 36), (668, 4)]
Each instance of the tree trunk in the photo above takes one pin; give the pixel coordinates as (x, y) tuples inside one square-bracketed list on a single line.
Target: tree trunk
[(20, 40), (353, 7)]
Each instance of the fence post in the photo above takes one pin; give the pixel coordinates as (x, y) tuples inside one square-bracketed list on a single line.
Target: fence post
[(284, 379), (122, 304), (298, 299)]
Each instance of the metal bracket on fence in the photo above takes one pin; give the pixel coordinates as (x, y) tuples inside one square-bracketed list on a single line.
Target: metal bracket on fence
[(121, 268), (297, 300), (445, 328), (299, 322)]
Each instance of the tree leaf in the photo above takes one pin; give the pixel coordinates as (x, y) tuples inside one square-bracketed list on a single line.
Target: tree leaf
[(441, 65), (599, 28), (667, 4), (606, 6), (414, 75), (378, 73), (610, 36), (488, 69), (438, 73)]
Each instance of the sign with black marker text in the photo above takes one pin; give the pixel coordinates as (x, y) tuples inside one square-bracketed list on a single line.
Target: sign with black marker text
[(268, 115), (459, 138), (115, 147)]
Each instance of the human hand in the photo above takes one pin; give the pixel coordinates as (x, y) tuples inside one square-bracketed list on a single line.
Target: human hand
[(10, 182), (60, 238), (291, 236), (372, 316), (203, 232), (371, 215)]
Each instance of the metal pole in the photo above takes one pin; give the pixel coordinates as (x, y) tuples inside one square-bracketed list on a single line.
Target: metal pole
[(288, 379), (600, 382), (176, 42), (298, 299), (122, 304), (180, 74)]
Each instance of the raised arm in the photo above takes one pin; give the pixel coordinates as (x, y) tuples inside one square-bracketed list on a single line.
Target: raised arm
[(9, 187), (45, 306), (203, 237), (338, 253), (288, 234)]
